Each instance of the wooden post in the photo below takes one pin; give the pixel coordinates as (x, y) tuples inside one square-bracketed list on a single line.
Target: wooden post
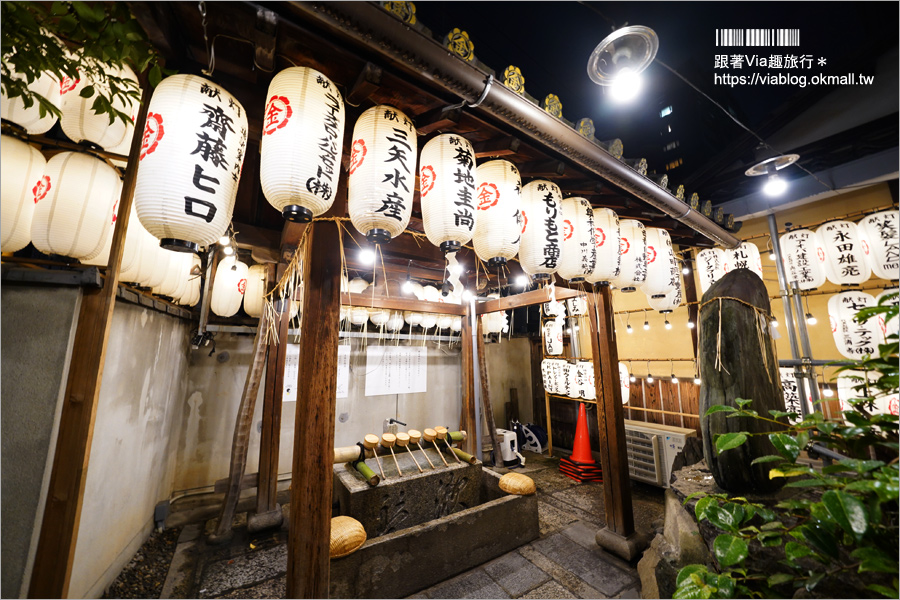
[(610, 417), (311, 480), (486, 406), (62, 514), (468, 417)]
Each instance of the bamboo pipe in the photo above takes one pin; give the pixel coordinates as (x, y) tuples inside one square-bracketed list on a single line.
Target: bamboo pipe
[(371, 442), (388, 440), (414, 436), (442, 435), (403, 442), (430, 435), (367, 473), (351, 454)]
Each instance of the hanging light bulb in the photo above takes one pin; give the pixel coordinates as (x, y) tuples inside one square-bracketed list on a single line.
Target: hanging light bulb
[(697, 380), (407, 286), (522, 281), (674, 379), (827, 391), (626, 86), (685, 269), (629, 328), (366, 256), (225, 240), (632, 379), (775, 185), (649, 378), (668, 325), (466, 295), (690, 324), (774, 323), (810, 319), (227, 250), (646, 322)]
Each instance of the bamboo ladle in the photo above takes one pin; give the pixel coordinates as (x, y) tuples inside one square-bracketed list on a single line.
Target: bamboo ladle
[(403, 442), (430, 435), (414, 436), (371, 442)]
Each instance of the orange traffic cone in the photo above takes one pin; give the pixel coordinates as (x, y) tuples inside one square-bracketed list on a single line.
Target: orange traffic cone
[(581, 449)]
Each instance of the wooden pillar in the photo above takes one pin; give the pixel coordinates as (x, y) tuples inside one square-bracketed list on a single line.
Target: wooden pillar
[(610, 416), (468, 416), (62, 514), (487, 407), (311, 480)]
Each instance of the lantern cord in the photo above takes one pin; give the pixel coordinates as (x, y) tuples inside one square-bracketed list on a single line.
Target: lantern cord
[(487, 88), (210, 52)]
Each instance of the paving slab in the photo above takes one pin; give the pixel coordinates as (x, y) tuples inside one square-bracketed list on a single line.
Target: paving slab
[(551, 518), (585, 564), (561, 575), (551, 589), (585, 534), (551, 480), (243, 570), (515, 574), (632, 593), (472, 584), (273, 588), (588, 498)]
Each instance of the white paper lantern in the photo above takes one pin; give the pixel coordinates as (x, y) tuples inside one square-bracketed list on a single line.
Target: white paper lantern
[(710, 267), (30, 119), (130, 253), (188, 262), (607, 238), (395, 322), (498, 228), (412, 318), (447, 191), (553, 337), (576, 306), (853, 340), (584, 373), (379, 316), (229, 286), (176, 273), (803, 258), (254, 295), (845, 260), (554, 308), (79, 121), (429, 320), (139, 241), (662, 268), (745, 256), (633, 250), (382, 173), (21, 181), (570, 378), (847, 382), (541, 245), (456, 324), (302, 139), (78, 197), (359, 315), (444, 321), (891, 327), (670, 301), (192, 295), (579, 248), (358, 285), (879, 236), (191, 156)]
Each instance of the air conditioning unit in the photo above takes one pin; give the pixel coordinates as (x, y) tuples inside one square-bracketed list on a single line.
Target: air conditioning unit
[(652, 449)]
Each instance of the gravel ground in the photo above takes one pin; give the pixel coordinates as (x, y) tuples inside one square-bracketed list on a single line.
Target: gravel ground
[(144, 575)]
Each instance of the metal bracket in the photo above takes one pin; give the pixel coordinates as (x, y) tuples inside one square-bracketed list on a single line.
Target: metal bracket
[(487, 88)]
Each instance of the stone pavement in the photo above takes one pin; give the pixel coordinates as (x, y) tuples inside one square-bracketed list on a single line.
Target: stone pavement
[(564, 562)]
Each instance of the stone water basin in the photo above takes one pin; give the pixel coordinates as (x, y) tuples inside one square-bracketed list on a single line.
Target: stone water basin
[(423, 528)]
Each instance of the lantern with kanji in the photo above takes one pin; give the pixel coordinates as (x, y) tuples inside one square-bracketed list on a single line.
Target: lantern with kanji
[(633, 249), (880, 403), (607, 239), (853, 339), (745, 256), (498, 228), (541, 245), (662, 268), (192, 152), (879, 233), (793, 393), (229, 286), (75, 202), (79, 121), (624, 382), (447, 191), (803, 258), (30, 119), (21, 172), (710, 267), (671, 300), (302, 138), (382, 173), (254, 295), (579, 250), (891, 327), (553, 338), (845, 254)]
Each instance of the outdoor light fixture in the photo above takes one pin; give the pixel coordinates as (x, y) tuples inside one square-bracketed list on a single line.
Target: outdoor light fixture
[(774, 322), (522, 281), (775, 185), (685, 269), (697, 380), (827, 391), (367, 256), (646, 322), (407, 286), (690, 324), (619, 59), (649, 376), (466, 295), (628, 327), (810, 319), (674, 379), (225, 240), (672, 369), (668, 325), (456, 269)]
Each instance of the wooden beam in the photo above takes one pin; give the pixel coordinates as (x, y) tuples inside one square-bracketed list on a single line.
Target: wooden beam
[(62, 513), (501, 146), (538, 296), (548, 169), (437, 118), (610, 416), (394, 303), (468, 417), (368, 81), (311, 474)]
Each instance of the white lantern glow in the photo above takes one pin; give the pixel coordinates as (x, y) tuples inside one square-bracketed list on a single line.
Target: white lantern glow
[(853, 340), (21, 172), (178, 268), (303, 135), (879, 234), (498, 228), (845, 255), (379, 316), (30, 119), (358, 315), (745, 256), (607, 238), (395, 322), (456, 324), (553, 337), (710, 267), (624, 382), (192, 153), (79, 121), (540, 248), (579, 248), (192, 295), (576, 306), (75, 205), (255, 293), (447, 191), (662, 268), (382, 173), (588, 385), (358, 285), (429, 320), (228, 287), (412, 318), (131, 253), (670, 301), (803, 258), (848, 380), (891, 327), (444, 321), (633, 251)]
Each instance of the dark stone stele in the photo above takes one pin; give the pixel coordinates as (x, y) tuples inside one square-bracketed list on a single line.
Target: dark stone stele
[(744, 374)]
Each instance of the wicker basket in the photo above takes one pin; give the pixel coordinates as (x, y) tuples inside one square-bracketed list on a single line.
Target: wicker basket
[(347, 535), (518, 484)]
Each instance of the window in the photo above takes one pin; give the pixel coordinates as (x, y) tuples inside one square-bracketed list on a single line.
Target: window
[(665, 112), (669, 127), (673, 164), (670, 146)]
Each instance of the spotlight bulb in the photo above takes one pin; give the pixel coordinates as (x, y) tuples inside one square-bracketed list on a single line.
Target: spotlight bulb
[(685, 271), (407, 287), (828, 392), (466, 295), (771, 256), (690, 324), (668, 325), (227, 250), (697, 381), (629, 328), (367, 257), (626, 85), (775, 186), (649, 378), (774, 323), (646, 325), (224, 240), (632, 379), (810, 319), (568, 330), (455, 269), (674, 379), (521, 280)]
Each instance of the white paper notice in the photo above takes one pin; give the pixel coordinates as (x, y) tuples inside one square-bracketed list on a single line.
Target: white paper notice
[(343, 371), (291, 371), (395, 370)]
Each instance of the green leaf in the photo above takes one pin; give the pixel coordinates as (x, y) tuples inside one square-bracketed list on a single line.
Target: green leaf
[(155, 76), (822, 539), (795, 550), (847, 511), (742, 402), (729, 549), (779, 578), (59, 9), (87, 91), (786, 445), (884, 591), (814, 580), (871, 559), (777, 414), (718, 408), (772, 525), (727, 441), (702, 507), (770, 539), (808, 483), (685, 573), (721, 518), (766, 459)]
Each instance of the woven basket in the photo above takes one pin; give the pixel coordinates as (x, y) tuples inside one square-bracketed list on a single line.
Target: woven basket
[(347, 535), (518, 484)]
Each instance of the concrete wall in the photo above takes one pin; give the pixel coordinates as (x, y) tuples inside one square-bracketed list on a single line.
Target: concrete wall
[(509, 366), (133, 453), (37, 323)]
